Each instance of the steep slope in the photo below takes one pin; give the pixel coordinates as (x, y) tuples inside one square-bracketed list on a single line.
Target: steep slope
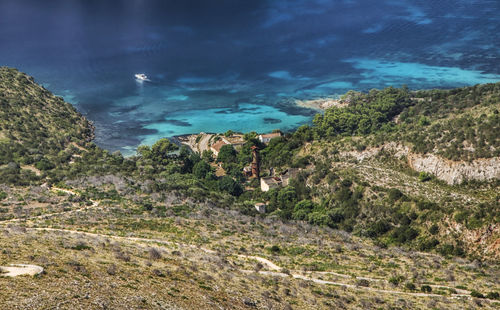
[(33, 122), (452, 134), (378, 165)]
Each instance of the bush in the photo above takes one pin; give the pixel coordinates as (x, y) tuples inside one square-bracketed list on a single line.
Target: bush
[(493, 295), (451, 250), (44, 164), (381, 227), (410, 286), (396, 280), (3, 195), (461, 217), (302, 209), (154, 254), (81, 246), (426, 289), (476, 294), (274, 249), (229, 185), (427, 245), (404, 234), (147, 206), (394, 194), (434, 229), (424, 176)]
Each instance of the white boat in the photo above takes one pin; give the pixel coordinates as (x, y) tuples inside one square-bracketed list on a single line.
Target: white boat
[(141, 77)]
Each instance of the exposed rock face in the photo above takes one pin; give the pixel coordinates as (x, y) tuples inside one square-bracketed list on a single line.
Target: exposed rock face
[(452, 172), (484, 241)]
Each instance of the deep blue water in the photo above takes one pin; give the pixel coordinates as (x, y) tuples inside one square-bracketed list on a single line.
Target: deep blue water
[(219, 65)]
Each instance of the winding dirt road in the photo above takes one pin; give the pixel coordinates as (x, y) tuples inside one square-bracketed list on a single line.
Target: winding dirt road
[(274, 269)]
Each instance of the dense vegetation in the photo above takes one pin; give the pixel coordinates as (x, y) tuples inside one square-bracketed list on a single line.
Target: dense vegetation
[(458, 124), (35, 125)]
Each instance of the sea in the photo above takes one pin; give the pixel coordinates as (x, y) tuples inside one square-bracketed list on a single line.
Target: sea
[(239, 65)]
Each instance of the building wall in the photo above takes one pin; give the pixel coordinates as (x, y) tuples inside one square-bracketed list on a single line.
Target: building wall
[(264, 186), (267, 183)]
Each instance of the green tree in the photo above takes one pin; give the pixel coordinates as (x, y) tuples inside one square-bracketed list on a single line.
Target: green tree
[(302, 209), (229, 185), (207, 156), (201, 169), (286, 200), (44, 164), (227, 154), (160, 151)]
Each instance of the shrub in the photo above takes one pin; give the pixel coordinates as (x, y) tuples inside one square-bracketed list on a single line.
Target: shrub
[(410, 286), (396, 280), (147, 206), (81, 246), (493, 295), (111, 270), (229, 185), (154, 254), (394, 194), (44, 164), (426, 205), (3, 195), (426, 288), (302, 209), (461, 217), (380, 227), (426, 245), (404, 234), (434, 229), (424, 176), (451, 250), (476, 294), (274, 249)]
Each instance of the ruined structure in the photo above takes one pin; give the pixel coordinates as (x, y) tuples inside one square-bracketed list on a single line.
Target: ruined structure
[(255, 162)]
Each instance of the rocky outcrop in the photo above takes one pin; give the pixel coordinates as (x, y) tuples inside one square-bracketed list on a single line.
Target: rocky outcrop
[(452, 172), (484, 242), (455, 172)]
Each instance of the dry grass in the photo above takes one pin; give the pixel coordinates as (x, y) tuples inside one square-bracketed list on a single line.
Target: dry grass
[(198, 260)]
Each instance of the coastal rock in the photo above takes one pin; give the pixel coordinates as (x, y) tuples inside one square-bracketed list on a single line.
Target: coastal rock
[(321, 104)]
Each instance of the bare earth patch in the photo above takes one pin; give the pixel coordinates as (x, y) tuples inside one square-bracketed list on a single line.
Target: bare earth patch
[(15, 270)]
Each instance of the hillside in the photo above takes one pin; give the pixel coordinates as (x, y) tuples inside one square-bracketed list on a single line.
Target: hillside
[(36, 126), (355, 227)]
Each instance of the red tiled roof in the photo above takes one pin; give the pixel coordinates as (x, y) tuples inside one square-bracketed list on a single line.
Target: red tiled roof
[(217, 145), (271, 135)]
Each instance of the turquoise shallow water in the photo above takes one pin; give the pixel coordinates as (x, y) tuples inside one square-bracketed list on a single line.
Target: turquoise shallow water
[(249, 117), (236, 64)]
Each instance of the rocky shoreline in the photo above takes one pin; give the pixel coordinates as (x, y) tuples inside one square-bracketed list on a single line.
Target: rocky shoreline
[(320, 104)]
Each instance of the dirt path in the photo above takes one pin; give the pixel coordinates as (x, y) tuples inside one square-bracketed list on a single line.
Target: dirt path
[(45, 216), (199, 146), (275, 270), (203, 144), (15, 270), (81, 148)]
